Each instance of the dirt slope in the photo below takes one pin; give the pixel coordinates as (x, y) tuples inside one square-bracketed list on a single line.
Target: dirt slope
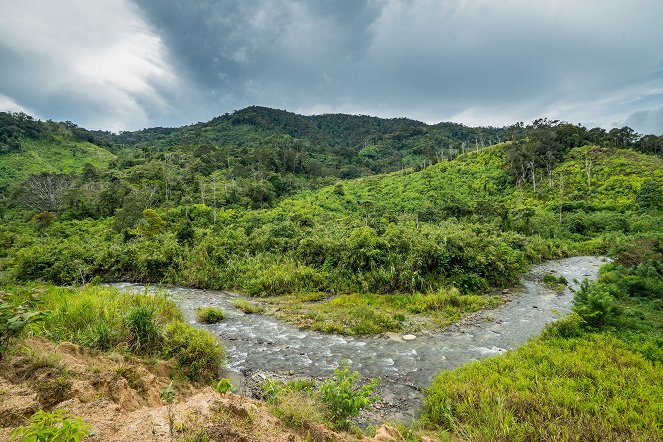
[(119, 398)]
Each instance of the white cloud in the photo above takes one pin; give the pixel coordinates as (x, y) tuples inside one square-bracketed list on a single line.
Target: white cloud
[(8, 104), (98, 61)]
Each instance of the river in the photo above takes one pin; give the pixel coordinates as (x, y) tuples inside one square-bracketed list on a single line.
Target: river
[(259, 345)]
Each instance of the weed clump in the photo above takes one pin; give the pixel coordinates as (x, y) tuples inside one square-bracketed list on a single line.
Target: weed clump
[(344, 397), (209, 315), (247, 306), (197, 352)]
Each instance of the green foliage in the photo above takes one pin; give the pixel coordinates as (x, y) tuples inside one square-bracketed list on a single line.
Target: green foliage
[(209, 315), (198, 353), (553, 280), (650, 196), (144, 334), (105, 318), (344, 397), (56, 426), (152, 223), (14, 319), (167, 394), (224, 386), (595, 305)]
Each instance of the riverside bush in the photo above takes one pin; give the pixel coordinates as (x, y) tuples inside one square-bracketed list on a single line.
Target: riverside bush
[(198, 353), (344, 396)]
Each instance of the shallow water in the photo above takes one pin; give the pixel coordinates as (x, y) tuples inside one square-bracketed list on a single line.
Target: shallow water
[(256, 343)]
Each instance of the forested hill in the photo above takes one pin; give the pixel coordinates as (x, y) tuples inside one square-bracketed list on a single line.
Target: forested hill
[(255, 157), (339, 145)]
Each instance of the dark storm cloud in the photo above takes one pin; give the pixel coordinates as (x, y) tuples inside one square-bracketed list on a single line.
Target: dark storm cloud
[(597, 62)]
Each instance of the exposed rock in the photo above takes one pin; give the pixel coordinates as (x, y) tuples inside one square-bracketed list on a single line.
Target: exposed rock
[(409, 337)]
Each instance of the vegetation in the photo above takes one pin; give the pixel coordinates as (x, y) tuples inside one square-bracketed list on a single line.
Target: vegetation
[(13, 319), (105, 319), (247, 306), (343, 397), (291, 209), (58, 425), (593, 376), (340, 397), (223, 386), (209, 315)]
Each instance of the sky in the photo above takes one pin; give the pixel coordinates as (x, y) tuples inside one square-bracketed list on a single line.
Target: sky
[(128, 64)]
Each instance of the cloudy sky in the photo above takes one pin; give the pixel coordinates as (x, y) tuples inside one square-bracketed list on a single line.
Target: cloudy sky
[(128, 64)]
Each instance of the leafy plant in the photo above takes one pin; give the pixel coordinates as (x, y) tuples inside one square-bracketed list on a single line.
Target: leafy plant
[(56, 426), (196, 351), (145, 336), (247, 306), (344, 397), (223, 386), (13, 319), (595, 305)]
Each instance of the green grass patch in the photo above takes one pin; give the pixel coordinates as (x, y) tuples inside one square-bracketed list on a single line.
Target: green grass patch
[(371, 314), (590, 388), (209, 315), (106, 319), (247, 306)]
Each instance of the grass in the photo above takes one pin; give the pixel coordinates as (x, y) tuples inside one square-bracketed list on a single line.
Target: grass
[(54, 156), (247, 306), (106, 319), (577, 381), (209, 315), (371, 314)]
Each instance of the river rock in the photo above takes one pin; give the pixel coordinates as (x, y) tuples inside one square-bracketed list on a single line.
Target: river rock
[(409, 337)]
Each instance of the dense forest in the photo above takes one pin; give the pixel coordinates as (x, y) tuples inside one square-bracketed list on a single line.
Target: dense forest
[(355, 225)]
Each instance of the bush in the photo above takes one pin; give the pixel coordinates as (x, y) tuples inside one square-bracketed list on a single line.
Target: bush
[(196, 351), (209, 315), (223, 386), (343, 397), (595, 305), (105, 318), (57, 426)]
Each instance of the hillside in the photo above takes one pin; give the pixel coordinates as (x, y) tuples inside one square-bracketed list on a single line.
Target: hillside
[(334, 144), (411, 251)]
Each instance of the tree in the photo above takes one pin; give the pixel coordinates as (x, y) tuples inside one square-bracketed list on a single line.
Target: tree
[(44, 192)]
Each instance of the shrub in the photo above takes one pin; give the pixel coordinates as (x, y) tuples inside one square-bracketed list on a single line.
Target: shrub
[(343, 397), (595, 305), (196, 351), (58, 425), (223, 386), (554, 280), (209, 315)]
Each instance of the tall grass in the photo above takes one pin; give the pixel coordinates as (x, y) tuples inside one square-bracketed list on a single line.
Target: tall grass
[(588, 388), (104, 318)]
